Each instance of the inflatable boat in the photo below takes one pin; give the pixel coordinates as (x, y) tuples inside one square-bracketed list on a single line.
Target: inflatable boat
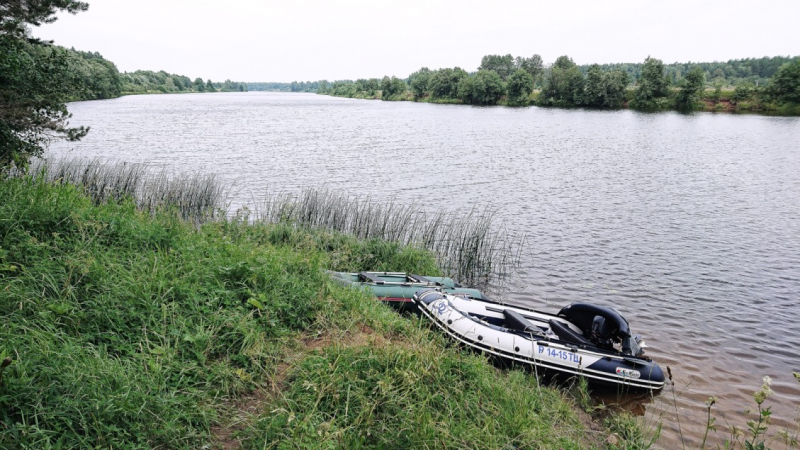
[(398, 288), (581, 340)]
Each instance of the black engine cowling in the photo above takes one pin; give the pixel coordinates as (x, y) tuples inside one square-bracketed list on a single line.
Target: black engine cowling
[(602, 325)]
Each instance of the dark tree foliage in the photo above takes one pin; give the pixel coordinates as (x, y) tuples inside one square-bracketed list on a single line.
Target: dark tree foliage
[(653, 85), (785, 85), (564, 62), (690, 89), (17, 15), (502, 65), (420, 82), (615, 83), (752, 71), (100, 77), (564, 85), (520, 86), (445, 82), (35, 81), (391, 87), (605, 89), (595, 89), (533, 65), (149, 82), (485, 88)]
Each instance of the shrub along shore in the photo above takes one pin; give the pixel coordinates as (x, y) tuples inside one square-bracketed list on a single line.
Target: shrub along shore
[(131, 327), (766, 85)]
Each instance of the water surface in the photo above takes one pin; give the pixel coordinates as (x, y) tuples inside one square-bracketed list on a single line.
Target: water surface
[(689, 225)]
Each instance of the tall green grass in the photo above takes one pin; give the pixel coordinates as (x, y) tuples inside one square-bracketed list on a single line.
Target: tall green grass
[(421, 396), (196, 197), (467, 244), (131, 329)]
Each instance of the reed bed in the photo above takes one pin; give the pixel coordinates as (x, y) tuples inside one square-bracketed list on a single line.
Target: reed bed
[(196, 197), (467, 245)]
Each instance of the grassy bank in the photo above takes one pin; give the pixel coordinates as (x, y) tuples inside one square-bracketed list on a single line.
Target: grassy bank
[(127, 327)]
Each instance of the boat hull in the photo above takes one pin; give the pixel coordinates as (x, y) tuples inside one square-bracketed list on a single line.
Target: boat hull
[(397, 289), (539, 351)]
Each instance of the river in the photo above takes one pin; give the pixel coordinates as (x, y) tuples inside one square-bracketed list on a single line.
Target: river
[(688, 224)]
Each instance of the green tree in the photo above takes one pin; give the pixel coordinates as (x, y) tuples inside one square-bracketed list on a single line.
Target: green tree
[(520, 86), (653, 85), (99, 77), (533, 65), (595, 91), (616, 84), (690, 89), (210, 86), (564, 62), (501, 65), (784, 86), (445, 82), (564, 85), (485, 88), (391, 87), (36, 79), (420, 82)]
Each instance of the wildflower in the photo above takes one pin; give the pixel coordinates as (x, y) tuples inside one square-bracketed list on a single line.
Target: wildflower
[(711, 401), (765, 391)]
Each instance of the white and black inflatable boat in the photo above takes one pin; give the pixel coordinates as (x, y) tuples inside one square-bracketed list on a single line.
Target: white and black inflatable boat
[(581, 340)]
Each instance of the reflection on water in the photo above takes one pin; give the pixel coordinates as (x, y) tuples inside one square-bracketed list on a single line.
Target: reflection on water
[(689, 225)]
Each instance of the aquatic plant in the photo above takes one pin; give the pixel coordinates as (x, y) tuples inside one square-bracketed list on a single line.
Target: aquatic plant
[(468, 246), (197, 197)]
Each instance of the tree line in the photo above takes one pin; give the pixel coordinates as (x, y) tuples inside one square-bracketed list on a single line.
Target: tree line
[(294, 86), (504, 79), (753, 71), (149, 82), (38, 78)]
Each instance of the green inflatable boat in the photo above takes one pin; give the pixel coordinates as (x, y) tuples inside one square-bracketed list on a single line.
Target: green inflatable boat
[(398, 288)]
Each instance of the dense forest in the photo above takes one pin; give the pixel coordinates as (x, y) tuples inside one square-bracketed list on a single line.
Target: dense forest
[(98, 78), (769, 84), (754, 71)]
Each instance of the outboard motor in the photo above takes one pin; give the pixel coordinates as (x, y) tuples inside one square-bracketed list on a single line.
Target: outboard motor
[(602, 332), (603, 326)]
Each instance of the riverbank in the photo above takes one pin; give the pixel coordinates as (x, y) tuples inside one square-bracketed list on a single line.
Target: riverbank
[(711, 101), (130, 327)]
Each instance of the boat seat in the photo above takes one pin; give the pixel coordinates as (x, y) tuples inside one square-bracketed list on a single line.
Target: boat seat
[(515, 321), (420, 279), (566, 334), (364, 276)]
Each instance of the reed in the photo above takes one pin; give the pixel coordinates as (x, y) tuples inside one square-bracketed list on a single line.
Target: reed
[(195, 197), (468, 245)]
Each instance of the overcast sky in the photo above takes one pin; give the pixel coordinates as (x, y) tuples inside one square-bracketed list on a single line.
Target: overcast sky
[(262, 40)]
